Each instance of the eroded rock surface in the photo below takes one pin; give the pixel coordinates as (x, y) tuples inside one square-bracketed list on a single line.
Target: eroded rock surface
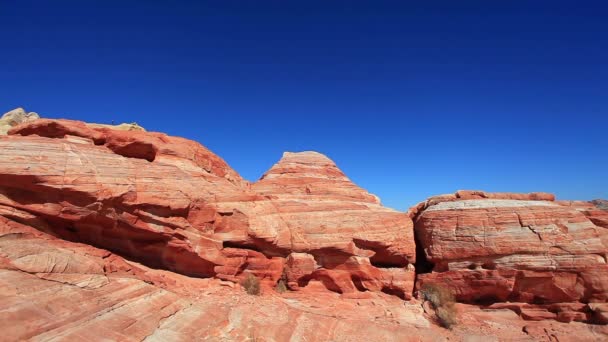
[(143, 236), (169, 202), (15, 117), (350, 242), (52, 289), (494, 248)]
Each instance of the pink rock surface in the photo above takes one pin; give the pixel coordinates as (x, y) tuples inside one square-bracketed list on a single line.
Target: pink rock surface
[(169, 202), (492, 249), (133, 235), (357, 244), (185, 154), (53, 289)]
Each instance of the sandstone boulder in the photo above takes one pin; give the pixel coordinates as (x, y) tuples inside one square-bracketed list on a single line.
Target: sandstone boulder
[(15, 117), (524, 248)]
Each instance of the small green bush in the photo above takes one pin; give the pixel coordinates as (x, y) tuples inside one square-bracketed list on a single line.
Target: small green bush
[(251, 284)]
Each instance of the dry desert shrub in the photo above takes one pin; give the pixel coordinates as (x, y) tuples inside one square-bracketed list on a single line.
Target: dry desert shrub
[(281, 287), (282, 283), (437, 294), (251, 284), (447, 316), (443, 301)]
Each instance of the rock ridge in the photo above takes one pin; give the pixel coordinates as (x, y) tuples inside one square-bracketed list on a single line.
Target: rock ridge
[(171, 203), (527, 249), (161, 224)]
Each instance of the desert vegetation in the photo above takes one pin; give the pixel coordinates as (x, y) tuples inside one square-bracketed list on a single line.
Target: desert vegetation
[(442, 300), (251, 284), (281, 286)]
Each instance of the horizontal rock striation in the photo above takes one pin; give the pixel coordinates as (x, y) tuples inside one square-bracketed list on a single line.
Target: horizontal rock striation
[(170, 203), (349, 240), (127, 221), (53, 289), (495, 248)]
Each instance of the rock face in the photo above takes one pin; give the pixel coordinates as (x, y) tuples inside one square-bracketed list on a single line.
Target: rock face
[(15, 117), (52, 289), (492, 248), (18, 116), (121, 127), (78, 184), (170, 203), (321, 207), (143, 236), (56, 289)]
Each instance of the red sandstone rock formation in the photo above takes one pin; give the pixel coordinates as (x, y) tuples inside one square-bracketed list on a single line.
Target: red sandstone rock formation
[(493, 248), (139, 235), (598, 213), (53, 289), (340, 234), (56, 289), (169, 202)]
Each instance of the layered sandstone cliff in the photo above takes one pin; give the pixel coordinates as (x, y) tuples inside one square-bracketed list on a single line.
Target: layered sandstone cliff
[(139, 235), (548, 259), (340, 234), (52, 289), (171, 203)]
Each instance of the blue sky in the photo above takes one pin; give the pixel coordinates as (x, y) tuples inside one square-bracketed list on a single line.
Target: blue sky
[(411, 99)]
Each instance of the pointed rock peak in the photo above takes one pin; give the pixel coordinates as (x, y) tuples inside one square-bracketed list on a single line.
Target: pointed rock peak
[(306, 157), (15, 112), (310, 174), (308, 164)]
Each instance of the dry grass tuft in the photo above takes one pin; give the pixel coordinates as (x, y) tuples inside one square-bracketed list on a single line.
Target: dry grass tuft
[(281, 287), (443, 301), (251, 284)]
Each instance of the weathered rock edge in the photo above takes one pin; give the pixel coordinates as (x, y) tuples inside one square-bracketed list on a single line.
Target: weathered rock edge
[(543, 259), (170, 203)]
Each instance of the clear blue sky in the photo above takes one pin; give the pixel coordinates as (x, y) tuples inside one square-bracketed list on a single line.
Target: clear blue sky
[(411, 99)]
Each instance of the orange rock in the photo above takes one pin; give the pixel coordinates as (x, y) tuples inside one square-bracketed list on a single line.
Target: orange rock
[(97, 294), (139, 236), (492, 249), (171, 203), (599, 217), (185, 154), (357, 244)]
